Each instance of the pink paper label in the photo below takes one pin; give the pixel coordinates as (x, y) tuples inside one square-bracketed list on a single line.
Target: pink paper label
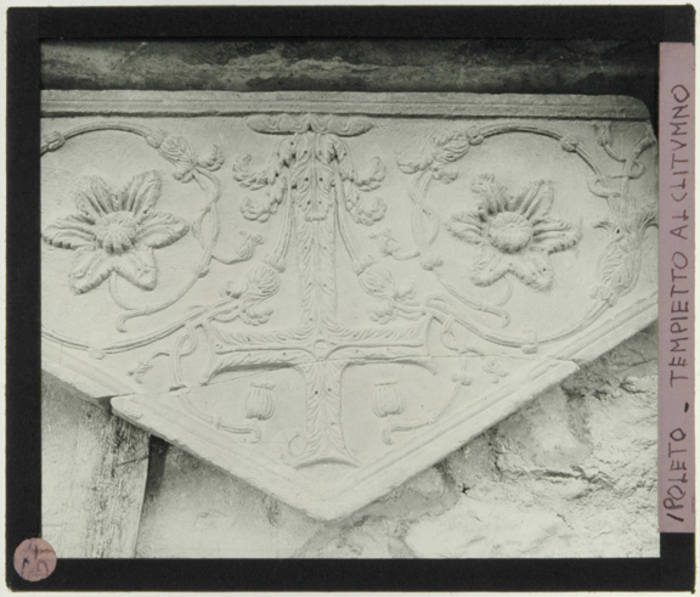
[(676, 287)]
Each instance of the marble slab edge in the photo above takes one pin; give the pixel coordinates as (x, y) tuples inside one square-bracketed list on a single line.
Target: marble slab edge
[(57, 103), (337, 498)]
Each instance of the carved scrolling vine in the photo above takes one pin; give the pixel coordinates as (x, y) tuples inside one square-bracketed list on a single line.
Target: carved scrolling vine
[(312, 183), (516, 233)]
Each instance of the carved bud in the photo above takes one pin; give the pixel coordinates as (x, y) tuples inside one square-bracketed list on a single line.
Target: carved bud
[(155, 138), (369, 210), (214, 160), (430, 261), (177, 151), (494, 368), (462, 378), (54, 141), (603, 133), (604, 294), (474, 135), (140, 370), (387, 400), (569, 142), (259, 403)]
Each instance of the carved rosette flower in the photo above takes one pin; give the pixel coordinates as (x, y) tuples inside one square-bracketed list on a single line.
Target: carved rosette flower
[(116, 232), (516, 234)]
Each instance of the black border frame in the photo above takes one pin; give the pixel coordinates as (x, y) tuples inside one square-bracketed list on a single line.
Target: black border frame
[(674, 570)]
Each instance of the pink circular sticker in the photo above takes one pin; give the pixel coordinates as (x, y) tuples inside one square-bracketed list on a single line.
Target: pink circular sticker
[(34, 559)]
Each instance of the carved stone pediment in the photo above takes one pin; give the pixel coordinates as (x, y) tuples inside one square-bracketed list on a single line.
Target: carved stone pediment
[(324, 294)]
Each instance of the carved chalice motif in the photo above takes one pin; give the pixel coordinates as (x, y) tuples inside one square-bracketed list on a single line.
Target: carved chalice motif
[(116, 232), (515, 233)]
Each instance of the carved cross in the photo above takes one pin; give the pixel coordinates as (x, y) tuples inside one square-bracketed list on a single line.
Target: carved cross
[(313, 181)]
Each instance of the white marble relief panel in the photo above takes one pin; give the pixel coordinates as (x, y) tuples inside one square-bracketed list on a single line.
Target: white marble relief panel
[(325, 302)]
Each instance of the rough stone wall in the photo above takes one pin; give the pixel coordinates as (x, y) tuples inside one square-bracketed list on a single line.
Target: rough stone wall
[(573, 474)]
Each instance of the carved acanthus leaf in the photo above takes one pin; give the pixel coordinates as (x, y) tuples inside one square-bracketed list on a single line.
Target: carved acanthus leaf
[(313, 169), (286, 124), (178, 152), (262, 284), (442, 149)]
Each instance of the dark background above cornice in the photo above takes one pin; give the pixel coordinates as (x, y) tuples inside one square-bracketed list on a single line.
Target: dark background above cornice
[(479, 66)]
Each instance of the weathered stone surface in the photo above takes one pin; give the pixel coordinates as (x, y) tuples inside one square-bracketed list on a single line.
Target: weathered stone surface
[(580, 482), (611, 67), (359, 298), (94, 468), (478, 530), (231, 519)]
